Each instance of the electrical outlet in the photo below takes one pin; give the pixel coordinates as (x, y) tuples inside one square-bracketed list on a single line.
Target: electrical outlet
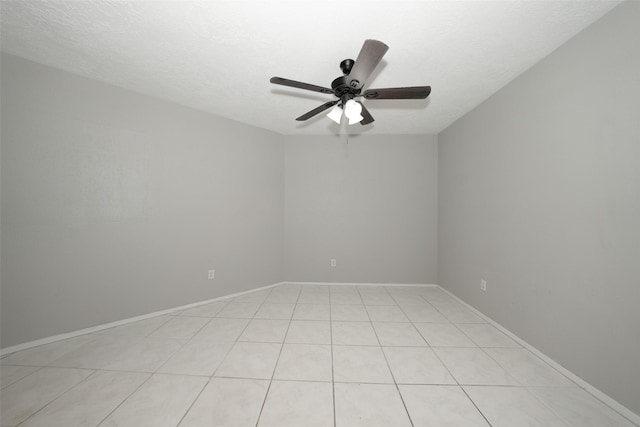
[(212, 274), (483, 285), (333, 262)]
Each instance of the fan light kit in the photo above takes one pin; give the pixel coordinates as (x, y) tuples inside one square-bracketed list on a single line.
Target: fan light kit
[(349, 86), (352, 110)]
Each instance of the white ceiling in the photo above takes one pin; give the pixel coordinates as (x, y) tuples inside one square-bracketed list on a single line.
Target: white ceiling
[(218, 56)]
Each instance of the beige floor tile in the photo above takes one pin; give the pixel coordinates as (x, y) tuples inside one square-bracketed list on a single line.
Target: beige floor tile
[(424, 313), (360, 364), (162, 401), (88, 403), (528, 369), (304, 362), (444, 335), (485, 335), (180, 327), (239, 310), (250, 360), (265, 330), (398, 334), (228, 402), (441, 406), (353, 333), (309, 332), (511, 406), (9, 374), (386, 313), (312, 312), (473, 366), (222, 329), (43, 355), (349, 312), (369, 405), (577, 408), (198, 357), (275, 311), (297, 403), (416, 365), (28, 395), (147, 355)]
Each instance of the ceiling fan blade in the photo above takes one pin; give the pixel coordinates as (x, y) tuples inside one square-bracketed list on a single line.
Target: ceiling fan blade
[(368, 59), (416, 92), (318, 110), (300, 85), (367, 117)]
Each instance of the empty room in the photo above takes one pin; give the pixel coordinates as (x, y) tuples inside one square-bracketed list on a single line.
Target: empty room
[(320, 213)]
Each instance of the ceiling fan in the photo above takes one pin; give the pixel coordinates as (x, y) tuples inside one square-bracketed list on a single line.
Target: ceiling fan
[(350, 86)]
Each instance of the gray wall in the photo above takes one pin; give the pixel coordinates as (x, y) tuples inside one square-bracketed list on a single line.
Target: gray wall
[(539, 194), (115, 204), (370, 203)]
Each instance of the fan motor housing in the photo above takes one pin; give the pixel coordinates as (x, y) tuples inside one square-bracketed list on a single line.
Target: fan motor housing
[(341, 88)]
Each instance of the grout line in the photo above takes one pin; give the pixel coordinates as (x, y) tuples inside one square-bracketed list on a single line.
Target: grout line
[(284, 338), (194, 402), (333, 377), (471, 400), (182, 346), (593, 391), (233, 343), (124, 400), (58, 397), (447, 368), (547, 406), (443, 364), (159, 326), (211, 377), (282, 380), (4, 386), (237, 340), (387, 360), (483, 349), (151, 374)]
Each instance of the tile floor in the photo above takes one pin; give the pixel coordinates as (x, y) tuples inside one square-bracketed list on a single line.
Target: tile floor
[(298, 355)]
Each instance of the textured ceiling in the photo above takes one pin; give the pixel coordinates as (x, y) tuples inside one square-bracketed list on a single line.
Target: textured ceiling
[(218, 56)]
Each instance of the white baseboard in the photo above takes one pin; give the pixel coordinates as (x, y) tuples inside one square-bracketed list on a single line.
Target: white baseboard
[(362, 284), (604, 398), (97, 328)]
